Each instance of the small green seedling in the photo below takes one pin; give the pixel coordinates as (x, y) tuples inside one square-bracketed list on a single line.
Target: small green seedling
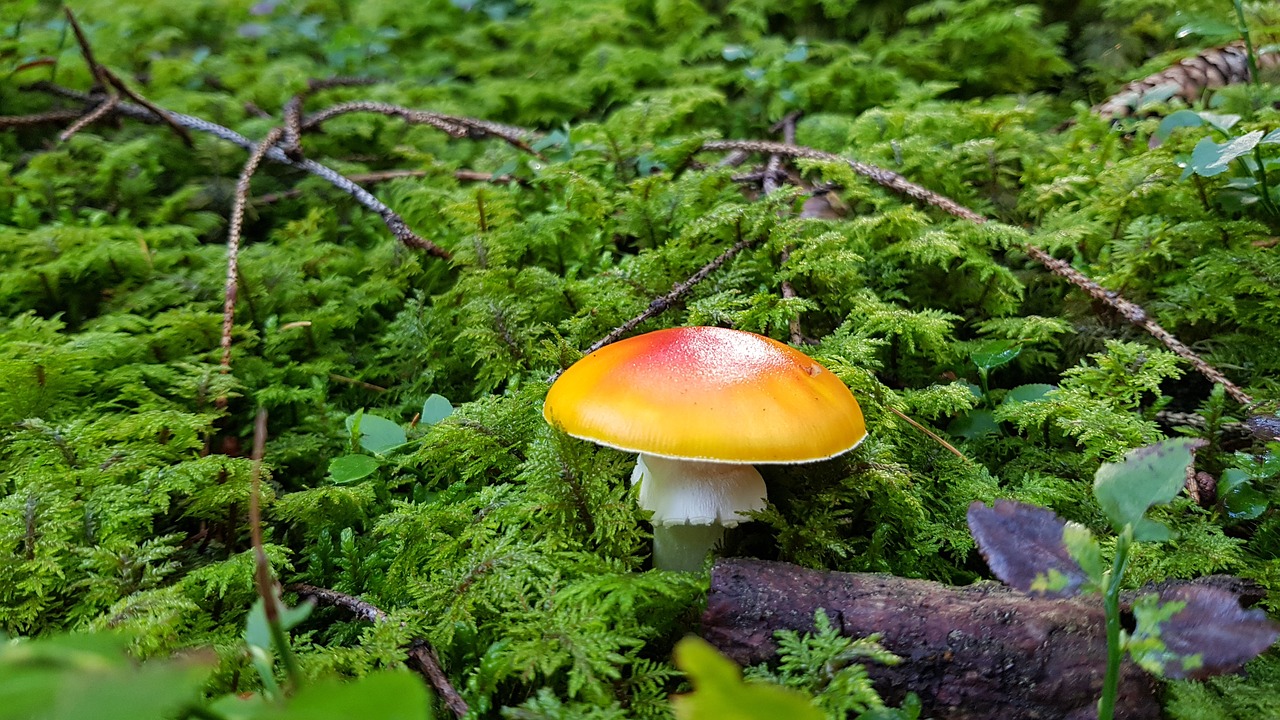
[(380, 436), (1184, 631)]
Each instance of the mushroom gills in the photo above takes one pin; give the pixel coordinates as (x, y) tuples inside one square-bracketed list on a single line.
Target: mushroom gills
[(692, 504)]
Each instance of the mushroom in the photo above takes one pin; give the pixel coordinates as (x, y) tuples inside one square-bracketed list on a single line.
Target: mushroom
[(701, 405)]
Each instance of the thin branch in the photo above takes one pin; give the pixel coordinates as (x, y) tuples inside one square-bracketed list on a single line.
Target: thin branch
[(53, 116), (893, 181), (358, 383), (266, 584), (233, 246), (390, 218), (108, 80), (378, 176), (360, 608), (421, 654), (164, 115), (795, 332), (474, 176), (1137, 316), (291, 144), (91, 117), (678, 291), (86, 50), (293, 109), (880, 176), (454, 125), (369, 177), (770, 182)]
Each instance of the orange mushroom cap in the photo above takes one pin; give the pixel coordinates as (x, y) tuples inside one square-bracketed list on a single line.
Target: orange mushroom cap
[(707, 393)]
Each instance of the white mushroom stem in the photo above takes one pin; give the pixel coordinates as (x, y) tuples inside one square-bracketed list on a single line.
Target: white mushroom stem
[(692, 503)]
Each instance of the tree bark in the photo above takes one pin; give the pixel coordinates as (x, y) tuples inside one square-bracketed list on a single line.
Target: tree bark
[(970, 653)]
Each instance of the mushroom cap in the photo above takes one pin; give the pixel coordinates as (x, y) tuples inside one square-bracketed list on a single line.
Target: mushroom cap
[(707, 393)]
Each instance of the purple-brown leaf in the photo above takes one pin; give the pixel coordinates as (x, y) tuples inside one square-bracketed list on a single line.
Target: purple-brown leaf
[(1023, 546), (1215, 627)]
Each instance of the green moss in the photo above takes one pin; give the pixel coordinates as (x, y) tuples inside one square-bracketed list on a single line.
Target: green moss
[(519, 553)]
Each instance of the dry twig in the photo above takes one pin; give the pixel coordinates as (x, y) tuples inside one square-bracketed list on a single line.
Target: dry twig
[(893, 181), (454, 125), (390, 218), (91, 117), (53, 116), (233, 247), (678, 291), (111, 83), (421, 655), (293, 109)]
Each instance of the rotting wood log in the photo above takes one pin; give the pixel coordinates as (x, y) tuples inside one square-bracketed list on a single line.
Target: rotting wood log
[(977, 652)]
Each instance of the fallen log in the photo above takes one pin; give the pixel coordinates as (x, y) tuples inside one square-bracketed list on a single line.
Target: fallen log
[(977, 652)]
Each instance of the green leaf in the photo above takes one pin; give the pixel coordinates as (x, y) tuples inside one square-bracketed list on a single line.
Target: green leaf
[(386, 695), (377, 434), (1240, 500), (974, 424), (350, 468), (995, 353), (435, 409), (1173, 121), (90, 676), (1147, 476), (1210, 158), (1211, 27), (1084, 549), (1220, 121), (256, 631), (719, 692), (1028, 393), (798, 53), (1148, 530)]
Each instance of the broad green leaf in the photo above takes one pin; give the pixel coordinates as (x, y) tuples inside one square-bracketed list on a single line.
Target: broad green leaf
[(1239, 498), (1210, 158), (1173, 121), (350, 468), (258, 633), (1147, 476), (1148, 530), (377, 434), (995, 353), (1028, 393), (1212, 27), (435, 409), (798, 53), (974, 424), (1220, 121), (719, 692), (385, 695), (92, 677)]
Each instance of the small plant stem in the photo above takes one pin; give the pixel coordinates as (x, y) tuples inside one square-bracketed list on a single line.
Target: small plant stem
[(1265, 186), (1243, 27), (1111, 607)]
